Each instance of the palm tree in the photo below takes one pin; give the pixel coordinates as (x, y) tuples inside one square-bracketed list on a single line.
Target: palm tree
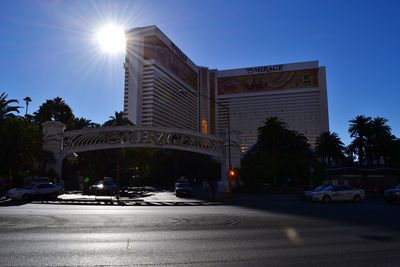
[(27, 100), (329, 147), (79, 123), (271, 132), (380, 139), (359, 129), (54, 109), (278, 155), (5, 109), (118, 119), (394, 152)]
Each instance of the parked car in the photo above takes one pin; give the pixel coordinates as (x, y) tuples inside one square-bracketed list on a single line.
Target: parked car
[(393, 194), (338, 193), (307, 194), (40, 180), (103, 187), (183, 189), (182, 179), (32, 191)]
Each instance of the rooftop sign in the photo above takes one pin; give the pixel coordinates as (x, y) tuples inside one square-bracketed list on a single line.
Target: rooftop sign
[(267, 69)]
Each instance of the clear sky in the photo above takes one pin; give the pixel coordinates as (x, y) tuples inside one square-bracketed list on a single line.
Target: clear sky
[(47, 48)]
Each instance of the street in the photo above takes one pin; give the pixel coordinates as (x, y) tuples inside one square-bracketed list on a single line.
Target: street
[(263, 231)]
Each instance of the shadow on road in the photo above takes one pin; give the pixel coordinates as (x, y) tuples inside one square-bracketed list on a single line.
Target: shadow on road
[(9, 203), (370, 212)]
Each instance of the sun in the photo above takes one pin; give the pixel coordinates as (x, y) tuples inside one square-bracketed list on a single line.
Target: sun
[(111, 39)]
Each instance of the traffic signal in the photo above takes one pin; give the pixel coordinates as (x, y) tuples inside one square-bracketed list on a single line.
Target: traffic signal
[(232, 174)]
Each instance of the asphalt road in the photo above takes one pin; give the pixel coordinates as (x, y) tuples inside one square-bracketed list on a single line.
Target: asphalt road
[(272, 231)]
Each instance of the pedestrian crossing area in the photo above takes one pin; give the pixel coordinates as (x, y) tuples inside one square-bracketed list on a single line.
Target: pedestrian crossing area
[(130, 203)]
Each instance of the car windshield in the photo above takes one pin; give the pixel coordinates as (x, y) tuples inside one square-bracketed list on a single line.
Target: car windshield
[(29, 186), (320, 187), (328, 188)]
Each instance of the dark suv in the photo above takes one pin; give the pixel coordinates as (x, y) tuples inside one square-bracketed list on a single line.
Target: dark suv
[(392, 194), (183, 189)]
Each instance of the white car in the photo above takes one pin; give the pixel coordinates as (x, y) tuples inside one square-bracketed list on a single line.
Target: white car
[(35, 190), (338, 193), (307, 195)]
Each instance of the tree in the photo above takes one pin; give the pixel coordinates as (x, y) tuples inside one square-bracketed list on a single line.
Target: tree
[(394, 153), (6, 109), (359, 129), (279, 157), (20, 146), (54, 110), (271, 132), (372, 139), (118, 119), (79, 123), (329, 147), (379, 140), (27, 100)]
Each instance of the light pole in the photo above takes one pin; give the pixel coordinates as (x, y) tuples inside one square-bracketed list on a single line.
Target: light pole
[(229, 123)]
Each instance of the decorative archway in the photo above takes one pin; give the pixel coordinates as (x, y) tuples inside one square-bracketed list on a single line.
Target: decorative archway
[(62, 143)]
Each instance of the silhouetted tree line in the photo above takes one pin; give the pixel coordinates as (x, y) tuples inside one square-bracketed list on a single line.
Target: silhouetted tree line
[(283, 157), (21, 153)]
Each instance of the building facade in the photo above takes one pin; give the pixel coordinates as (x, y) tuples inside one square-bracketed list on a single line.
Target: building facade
[(163, 87)]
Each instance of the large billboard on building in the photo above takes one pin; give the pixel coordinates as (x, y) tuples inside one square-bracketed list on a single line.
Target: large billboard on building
[(155, 49), (273, 79)]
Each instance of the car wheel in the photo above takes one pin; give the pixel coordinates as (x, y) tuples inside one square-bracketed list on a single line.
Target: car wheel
[(326, 199), (26, 197), (357, 198)]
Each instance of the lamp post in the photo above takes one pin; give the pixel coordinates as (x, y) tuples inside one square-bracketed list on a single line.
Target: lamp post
[(229, 123)]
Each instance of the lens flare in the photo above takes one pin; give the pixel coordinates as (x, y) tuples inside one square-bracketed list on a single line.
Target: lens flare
[(111, 39)]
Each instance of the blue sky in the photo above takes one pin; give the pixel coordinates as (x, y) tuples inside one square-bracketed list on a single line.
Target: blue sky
[(47, 48)]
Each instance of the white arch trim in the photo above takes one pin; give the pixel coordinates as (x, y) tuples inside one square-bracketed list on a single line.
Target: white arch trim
[(90, 139)]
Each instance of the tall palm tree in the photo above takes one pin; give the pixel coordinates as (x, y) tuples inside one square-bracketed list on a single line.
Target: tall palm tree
[(118, 119), (394, 152), (380, 139), (6, 110), (329, 147), (27, 100), (380, 127), (271, 131), (359, 129)]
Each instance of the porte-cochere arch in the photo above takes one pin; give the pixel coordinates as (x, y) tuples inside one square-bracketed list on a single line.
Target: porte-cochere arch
[(61, 143), (132, 136)]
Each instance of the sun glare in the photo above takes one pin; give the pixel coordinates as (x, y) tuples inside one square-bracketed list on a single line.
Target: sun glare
[(111, 39)]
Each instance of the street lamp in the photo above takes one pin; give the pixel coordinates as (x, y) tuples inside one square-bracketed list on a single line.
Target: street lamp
[(229, 123)]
